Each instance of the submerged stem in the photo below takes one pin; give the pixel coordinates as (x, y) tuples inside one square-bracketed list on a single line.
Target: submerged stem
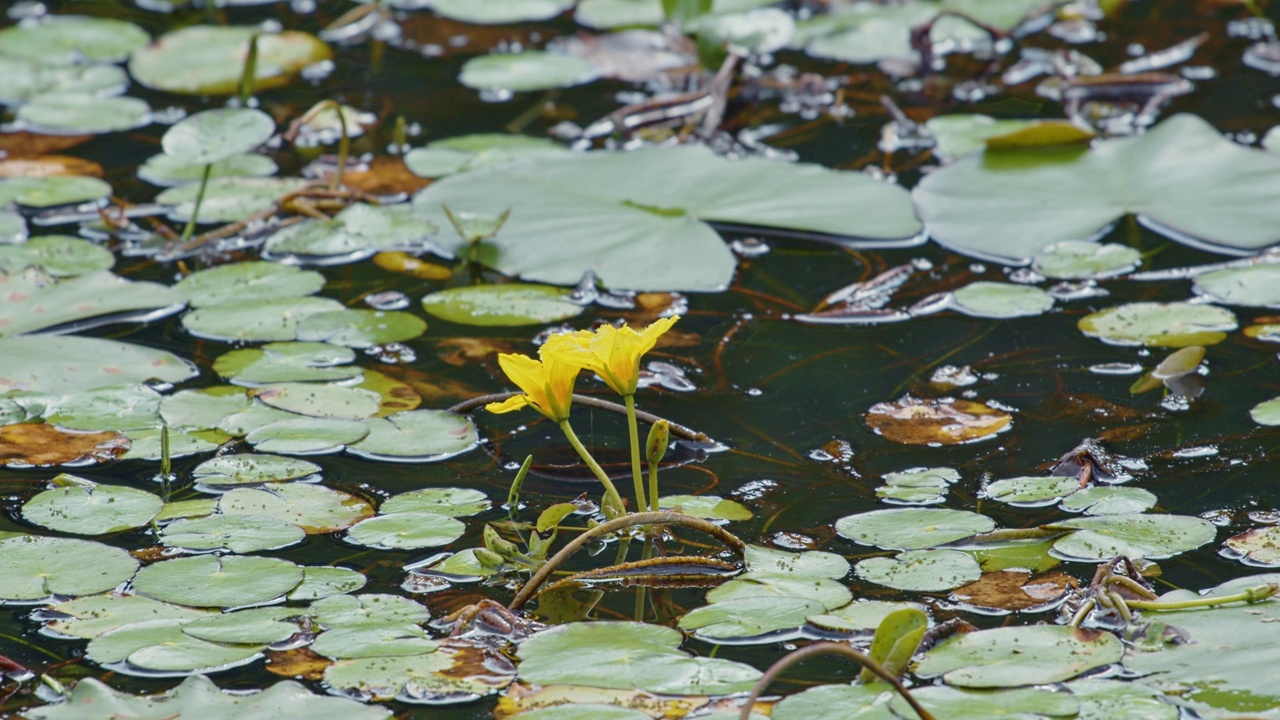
[(611, 495), (831, 648), (190, 229), (648, 518), (634, 431)]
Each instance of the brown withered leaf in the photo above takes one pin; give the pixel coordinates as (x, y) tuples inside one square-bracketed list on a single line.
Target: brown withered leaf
[(48, 166), (394, 396), (462, 351), (28, 144), (383, 175), (915, 421), (1014, 590), (438, 36), (403, 262), (299, 663), (43, 445), (433, 389)]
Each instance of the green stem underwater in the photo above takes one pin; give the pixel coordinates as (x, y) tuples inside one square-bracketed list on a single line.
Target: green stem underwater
[(190, 229), (611, 493)]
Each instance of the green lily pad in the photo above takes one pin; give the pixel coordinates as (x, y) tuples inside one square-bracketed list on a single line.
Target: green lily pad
[(859, 616), (48, 192), (252, 469), (314, 508), (1079, 260), (67, 364), (319, 400), (208, 60), (835, 702), (13, 227), (254, 626), (587, 711), (1014, 656), (1175, 324), (22, 81), (912, 528), (166, 171), (1109, 501), (177, 509), (288, 362), (231, 532), (243, 282), (214, 135), (498, 12), (1259, 547), (227, 199), (635, 211), (1251, 286), (1266, 412), (76, 114), (305, 435), (417, 436), (461, 567), (511, 304), (919, 486), (357, 232), (920, 570), (1134, 535), (34, 302), (321, 582), (406, 531), (469, 152), (1182, 177), (161, 646), (251, 321), (209, 581), (710, 507), (127, 407), (197, 696), (92, 509), (525, 71), (361, 328), (72, 39), (254, 417), (95, 615), (451, 502), (369, 610), (628, 656), (1118, 700), (202, 409), (959, 135), (1001, 300), (1031, 491), (370, 642), (145, 443), (56, 255), (749, 617), (36, 567), (1020, 704), (448, 672)]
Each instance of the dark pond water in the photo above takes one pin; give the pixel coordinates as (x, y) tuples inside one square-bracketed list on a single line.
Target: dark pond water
[(786, 399)]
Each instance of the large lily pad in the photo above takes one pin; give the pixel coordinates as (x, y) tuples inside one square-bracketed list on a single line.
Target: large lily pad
[(835, 702), (54, 191), (236, 533), (626, 655), (251, 469), (247, 282), (306, 436), (1020, 704), (314, 508), (407, 531), (921, 570), (912, 528), (204, 408), (197, 696), (1014, 656), (288, 362), (94, 615), (72, 39), (161, 646), (417, 436), (34, 302), (208, 581), (1181, 177), (511, 304), (35, 568), (1176, 324), (76, 114), (213, 135), (634, 213), (126, 407), (319, 400), (208, 60), (56, 255), (1134, 535), (1251, 286), (357, 232), (455, 672), (361, 328), (252, 321), (91, 509)]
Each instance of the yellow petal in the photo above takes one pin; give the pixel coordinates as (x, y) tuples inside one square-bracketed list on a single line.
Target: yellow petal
[(514, 402)]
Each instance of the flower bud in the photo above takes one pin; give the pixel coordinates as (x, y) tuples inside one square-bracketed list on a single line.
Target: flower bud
[(659, 438), (502, 548)]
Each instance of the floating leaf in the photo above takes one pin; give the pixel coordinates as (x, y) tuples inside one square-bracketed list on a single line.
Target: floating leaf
[(42, 445), (394, 396), (89, 617), (242, 282), (958, 135), (946, 421), (22, 81), (1176, 324), (161, 646), (35, 568), (75, 114), (288, 362), (228, 199), (306, 435), (253, 626), (251, 469), (1266, 412), (37, 303), (92, 509), (1134, 536), (361, 328), (1259, 546), (48, 192), (591, 654), (373, 641), (1251, 286), (251, 321), (322, 582), (454, 671), (710, 507), (202, 409), (920, 570), (214, 135), (859, 616), (369, 610), (497, 12), (912, 528), (197, 696), (503, 305), (231, 532), (919, 486), (127, 407), (1109, 501), (1014, 591), (955, 704), (56, 255), (1001, 300), (451, 502), (1079, 260), (417, 436), (1101, 699), (1182, 177), (834, 702), (636, 211), (319, 400), (208, 60), (525, 71), (357, 232), (1013, 656), (406, 531), (749, 617), (1031, 491), (314, 508), (166, 171), (469, 152), (209, 581)]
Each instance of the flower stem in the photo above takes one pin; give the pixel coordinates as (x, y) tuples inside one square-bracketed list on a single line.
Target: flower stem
[(611, 495), (636, 478), (190, 229), (1251, 595)]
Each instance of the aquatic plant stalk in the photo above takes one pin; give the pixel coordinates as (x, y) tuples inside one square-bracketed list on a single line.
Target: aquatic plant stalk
[(725, 537), (655, 448), (611, 496), (633, 431), (1251, 595), (250, 72), (190, 229), (830, 648)]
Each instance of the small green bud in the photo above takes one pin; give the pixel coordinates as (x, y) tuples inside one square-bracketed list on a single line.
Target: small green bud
[(495, 543), (659, 438), (488, 558)]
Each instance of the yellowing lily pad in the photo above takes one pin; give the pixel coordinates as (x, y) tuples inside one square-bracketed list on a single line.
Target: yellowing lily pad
[(948, 421), (208, 60), (1176, 324)]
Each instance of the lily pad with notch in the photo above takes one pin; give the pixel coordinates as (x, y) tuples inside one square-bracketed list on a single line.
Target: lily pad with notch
[(456, 671), (1022, 703), (920, 570), (228, 199), (361, 328), (251, 321), (209, 60), (859, 616), (288, 362), (368, 610), (1080, 260), (1250, 286), (251, 626), (1133, 535), (252, 469), (417, 436), (209, 581), (94, 615), (86, 508), (82, 114), (1173, 324), (373, 642), (313, 508), (307, 435), (835, 702), (124, 407), (203, 408), (55, 191), (469, 152), (1109, 501), (234, 533), (72, 39), (1019, 656), (166, 171), (160, 646), (36, 568), (525, 71), (358, 231), (912, 528), (749, 617), (406, 531), (318, 400), (214, 135), (22, 81), (918, 486), (1001, 300), (510, 304), (1259, 547), (1031, 491), (321, 581), (496, 12), (145, 443), (710, 507), (244, 282)]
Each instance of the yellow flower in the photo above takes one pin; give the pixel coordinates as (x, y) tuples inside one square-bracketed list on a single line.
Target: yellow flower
[(610, 352), (547, 384)]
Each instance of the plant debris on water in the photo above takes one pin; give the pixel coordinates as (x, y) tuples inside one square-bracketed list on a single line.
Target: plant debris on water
[(555, 359)]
